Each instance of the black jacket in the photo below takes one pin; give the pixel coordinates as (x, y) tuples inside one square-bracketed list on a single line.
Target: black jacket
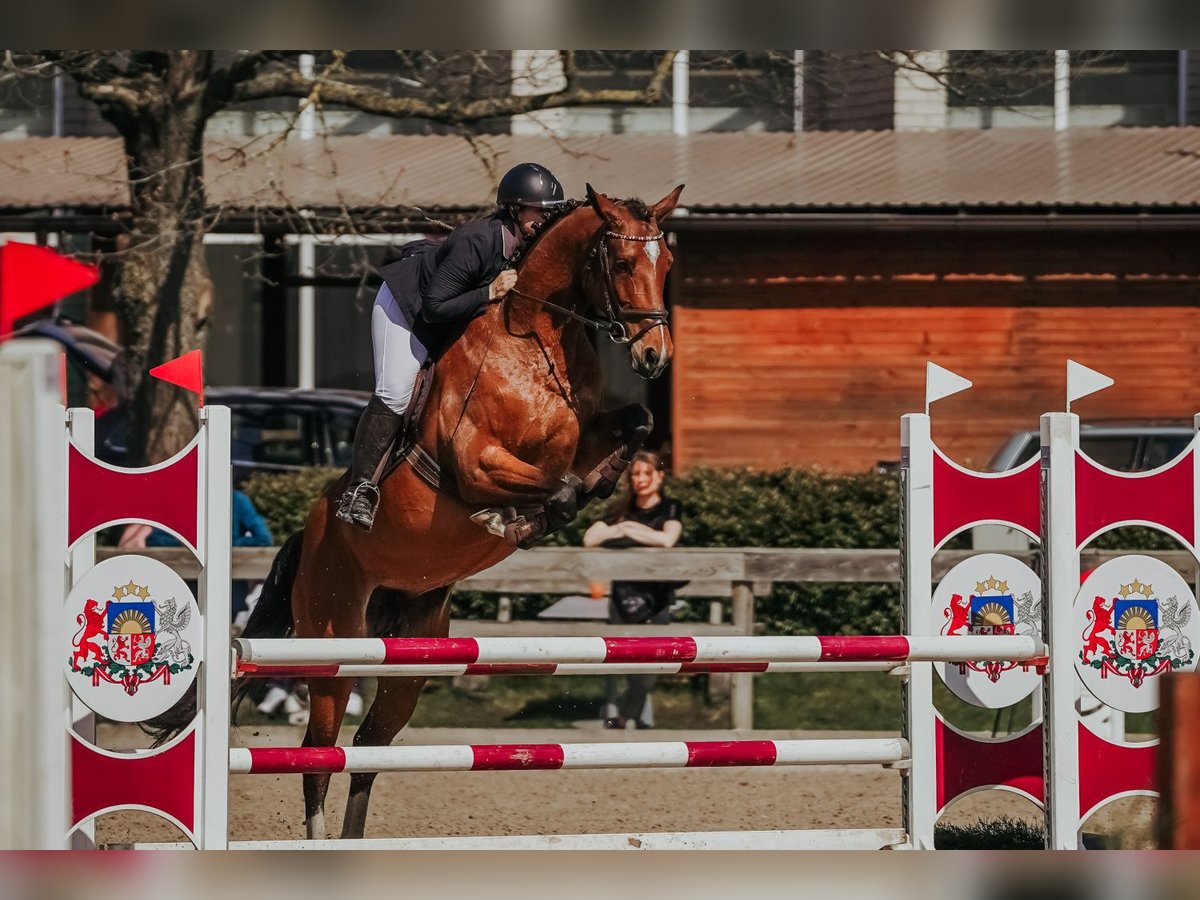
[(439, 285)]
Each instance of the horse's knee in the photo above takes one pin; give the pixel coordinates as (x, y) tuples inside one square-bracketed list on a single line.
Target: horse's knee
[(562, 506), (636, 425)]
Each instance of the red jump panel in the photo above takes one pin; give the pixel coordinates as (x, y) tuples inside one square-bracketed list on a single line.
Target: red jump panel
[(1163, 498), (163, 781), (98, 494), (962, 498), (1107, 769), (965, 763)]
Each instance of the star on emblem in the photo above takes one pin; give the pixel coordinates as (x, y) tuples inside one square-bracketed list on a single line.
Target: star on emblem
[(1137, 587), (992, 584)]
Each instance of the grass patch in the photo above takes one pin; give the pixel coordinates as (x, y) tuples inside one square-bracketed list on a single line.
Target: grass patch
[(1000, 834)]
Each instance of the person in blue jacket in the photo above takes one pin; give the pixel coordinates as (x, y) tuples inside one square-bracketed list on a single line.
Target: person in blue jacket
[(249, 530)]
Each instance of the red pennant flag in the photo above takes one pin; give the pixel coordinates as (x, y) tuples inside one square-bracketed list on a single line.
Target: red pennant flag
[(32, 277), (187, 371)]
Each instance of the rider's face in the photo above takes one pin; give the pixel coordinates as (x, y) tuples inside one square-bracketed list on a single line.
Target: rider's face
[(528, 218)]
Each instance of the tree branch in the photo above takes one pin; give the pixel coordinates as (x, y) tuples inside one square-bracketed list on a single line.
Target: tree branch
[(290, 83)]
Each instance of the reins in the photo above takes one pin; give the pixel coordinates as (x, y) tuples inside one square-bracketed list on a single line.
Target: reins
[(617, 315)]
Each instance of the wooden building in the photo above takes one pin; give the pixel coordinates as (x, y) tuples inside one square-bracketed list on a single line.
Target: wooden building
[(814, 273)]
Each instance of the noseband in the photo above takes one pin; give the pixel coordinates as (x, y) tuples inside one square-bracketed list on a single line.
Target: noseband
[(619, 315)]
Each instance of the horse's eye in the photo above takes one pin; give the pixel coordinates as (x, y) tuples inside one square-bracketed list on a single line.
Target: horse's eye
[(622, 265)]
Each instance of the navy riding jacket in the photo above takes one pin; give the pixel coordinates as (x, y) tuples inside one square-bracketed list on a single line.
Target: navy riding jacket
[(440, 284)]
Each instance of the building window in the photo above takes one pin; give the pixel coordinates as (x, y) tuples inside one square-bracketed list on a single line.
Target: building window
[(998, 89), (990, 89), (26, 107), (1124, 87)]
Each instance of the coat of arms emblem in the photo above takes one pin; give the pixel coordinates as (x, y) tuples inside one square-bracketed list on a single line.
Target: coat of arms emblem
[(991, 610), (989, 594), (1135, 621), (1135, 635), (132, 639)]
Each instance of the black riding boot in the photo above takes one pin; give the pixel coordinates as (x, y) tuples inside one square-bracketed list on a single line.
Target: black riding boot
[(376, 430)]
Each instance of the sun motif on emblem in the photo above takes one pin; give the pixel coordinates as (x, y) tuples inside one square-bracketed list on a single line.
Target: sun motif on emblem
[(1136, 618), (130, 622), (991, 614)]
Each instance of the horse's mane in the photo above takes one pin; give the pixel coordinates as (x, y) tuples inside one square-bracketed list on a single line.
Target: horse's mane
[(636, 207), (540, 229)]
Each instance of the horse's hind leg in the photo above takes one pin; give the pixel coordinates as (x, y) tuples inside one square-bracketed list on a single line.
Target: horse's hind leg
[(327, 699), (395, 699), (328, 603)]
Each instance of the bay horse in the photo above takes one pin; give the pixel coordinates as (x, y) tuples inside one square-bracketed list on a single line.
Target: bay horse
[(513, 423)]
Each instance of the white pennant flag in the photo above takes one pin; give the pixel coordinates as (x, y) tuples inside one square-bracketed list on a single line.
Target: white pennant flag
[(941, 383), (1082, 381)]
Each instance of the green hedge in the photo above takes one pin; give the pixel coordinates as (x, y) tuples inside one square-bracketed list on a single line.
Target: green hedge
[(285, 499), (723, 508), (733, 508)]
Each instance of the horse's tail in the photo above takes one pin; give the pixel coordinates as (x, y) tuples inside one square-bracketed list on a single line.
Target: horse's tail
[(272, 617)]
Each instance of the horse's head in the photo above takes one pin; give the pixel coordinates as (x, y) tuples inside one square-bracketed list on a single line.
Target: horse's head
[(633, 260)]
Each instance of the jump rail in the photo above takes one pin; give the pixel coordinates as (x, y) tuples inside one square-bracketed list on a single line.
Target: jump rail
[(635, 650), (522, 757)]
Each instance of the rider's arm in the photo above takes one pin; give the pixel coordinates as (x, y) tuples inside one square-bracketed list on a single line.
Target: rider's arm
[(453, 292)]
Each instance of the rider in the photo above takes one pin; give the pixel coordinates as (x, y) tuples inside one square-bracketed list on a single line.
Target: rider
[(425, 298)]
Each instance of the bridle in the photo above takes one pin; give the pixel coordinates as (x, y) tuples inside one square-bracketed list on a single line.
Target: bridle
[(613, 322)]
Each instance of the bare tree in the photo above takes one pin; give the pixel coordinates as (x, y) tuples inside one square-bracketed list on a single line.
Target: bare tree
[(160, 103)]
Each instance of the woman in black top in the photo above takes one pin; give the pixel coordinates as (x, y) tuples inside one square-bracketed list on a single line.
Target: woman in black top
[(644, 519), (426, 295)]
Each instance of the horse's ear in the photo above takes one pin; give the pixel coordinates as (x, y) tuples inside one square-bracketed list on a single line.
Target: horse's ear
[(663, 207), (604, 206)]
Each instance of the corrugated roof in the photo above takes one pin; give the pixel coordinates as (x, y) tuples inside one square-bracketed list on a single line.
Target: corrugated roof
[(1104, 167)]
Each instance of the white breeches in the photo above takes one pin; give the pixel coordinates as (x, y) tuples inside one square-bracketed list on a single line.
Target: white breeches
[(398, 353)]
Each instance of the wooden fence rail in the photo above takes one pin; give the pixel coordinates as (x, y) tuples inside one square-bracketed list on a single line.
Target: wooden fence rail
[(741, 574)]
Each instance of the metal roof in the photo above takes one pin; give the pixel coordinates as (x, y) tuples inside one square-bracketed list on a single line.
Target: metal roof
[(1111, 167)]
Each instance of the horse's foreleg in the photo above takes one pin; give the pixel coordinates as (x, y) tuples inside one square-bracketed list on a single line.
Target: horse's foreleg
[(499, 479), (395, 698), (606, 448)]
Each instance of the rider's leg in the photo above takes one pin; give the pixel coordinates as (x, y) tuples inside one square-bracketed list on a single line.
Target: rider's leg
[(398, 358)]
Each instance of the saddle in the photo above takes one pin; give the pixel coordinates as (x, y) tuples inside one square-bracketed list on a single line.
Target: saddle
[(405, 447)]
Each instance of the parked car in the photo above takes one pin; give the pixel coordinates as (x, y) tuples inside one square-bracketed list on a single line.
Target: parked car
[(273, 429), (1125, 446)]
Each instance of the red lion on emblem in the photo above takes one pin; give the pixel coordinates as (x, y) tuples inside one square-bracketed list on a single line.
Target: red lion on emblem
[(91, 625), (1100, 617), (959, 613)]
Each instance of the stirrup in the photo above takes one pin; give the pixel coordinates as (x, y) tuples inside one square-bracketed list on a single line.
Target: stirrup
[(368, 494)]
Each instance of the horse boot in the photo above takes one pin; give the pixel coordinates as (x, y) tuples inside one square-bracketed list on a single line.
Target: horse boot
[(376, 430), (636, 425)]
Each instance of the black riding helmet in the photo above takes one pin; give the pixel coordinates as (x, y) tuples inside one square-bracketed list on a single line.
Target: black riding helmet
[(529, 184)]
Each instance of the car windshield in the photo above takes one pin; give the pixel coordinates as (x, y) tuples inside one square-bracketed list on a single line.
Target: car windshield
[(341, 423), (271, 438)]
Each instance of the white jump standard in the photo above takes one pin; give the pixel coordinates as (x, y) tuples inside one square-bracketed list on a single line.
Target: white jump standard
[(137, 638)]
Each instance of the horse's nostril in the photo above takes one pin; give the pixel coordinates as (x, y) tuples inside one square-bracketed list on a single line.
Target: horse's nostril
[(651, 356)]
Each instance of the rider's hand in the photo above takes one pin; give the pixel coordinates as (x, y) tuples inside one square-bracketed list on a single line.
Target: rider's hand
[(502, 284)]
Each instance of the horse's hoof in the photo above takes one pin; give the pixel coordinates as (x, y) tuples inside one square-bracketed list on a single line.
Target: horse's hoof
[(491, 521)]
